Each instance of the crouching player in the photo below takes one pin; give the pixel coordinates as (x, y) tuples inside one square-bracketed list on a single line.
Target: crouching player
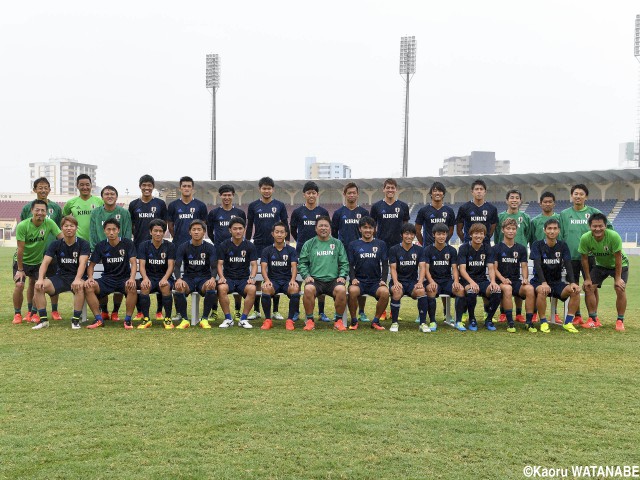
[(118, 257), (606, 246), (368, 271), (475, 260), (156, 261), (441, 270), (279, 266), (237, 269), (199, 259), (549, 256), (71, 254), (511, 260), (406, 262)]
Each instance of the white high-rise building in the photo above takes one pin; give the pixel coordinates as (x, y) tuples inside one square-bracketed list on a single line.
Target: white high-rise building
[(314, 170), (62, 173)]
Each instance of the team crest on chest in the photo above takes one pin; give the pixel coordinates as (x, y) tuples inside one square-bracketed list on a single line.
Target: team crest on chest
[(397, 209), (41, 233), (118, 217), (482, 256), (243, 253), (414, 256), (75, 254), (515, 254), (484, 212), (557, 254), (203, 255), (163, 255), (587, 215), (519, 219), (121, 252), (358, 215), (606, 248), (93, 206), (153, 209), (375, 249), (332, 246), (274, 209), (444, 214), (192, 209), (446, 256), (50, 211), (285, 257)]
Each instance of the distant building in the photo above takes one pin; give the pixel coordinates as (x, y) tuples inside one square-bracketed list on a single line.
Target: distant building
[(62, 173), (475, 164), (325, 171), (626, 155)]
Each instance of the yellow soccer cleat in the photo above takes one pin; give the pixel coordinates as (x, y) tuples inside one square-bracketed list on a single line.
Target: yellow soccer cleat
[(544, 327), (204, 323), (570, 328), (146, 323), (184, 324)]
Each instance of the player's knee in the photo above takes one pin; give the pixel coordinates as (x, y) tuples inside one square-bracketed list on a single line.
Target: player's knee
[(506, 289)]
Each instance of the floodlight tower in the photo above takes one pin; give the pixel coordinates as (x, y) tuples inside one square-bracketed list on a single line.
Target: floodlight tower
[(213, 82), (407, 69), (637, 54)]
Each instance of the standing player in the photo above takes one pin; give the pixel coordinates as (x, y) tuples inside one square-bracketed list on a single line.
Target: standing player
[(605, 246), (33, 236), (218, 229), (511, 260), (443, 278), (476, 263), (261, 215), (406, 263), (477, 211), (70, 254), (369, 269), (82, 206), (142, 211), (303, 227), (574, 224), (183, 211), (344, 227), (279, 267), (118, 256), (237, 269), (324, 265), (549, 256), (156, 260), (198, 275), (42, 188)]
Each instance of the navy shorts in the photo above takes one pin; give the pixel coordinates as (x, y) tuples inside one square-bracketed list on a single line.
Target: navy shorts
[(236, 286), (407, 288), (445, 288), (516, 285), (62, 284), (195, 284), (112, 285), (155, 284), (280, 286), (369, 288), (556, 289), (483, 284)]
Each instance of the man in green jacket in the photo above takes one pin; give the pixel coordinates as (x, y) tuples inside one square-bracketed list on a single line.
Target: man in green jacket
[(324, 266)]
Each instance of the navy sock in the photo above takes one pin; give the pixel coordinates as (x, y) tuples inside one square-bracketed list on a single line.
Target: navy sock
[(167, 304), (54, 307), (509, 315), (77, 314), (181, 304), (145, 304), (266, 305), (461, 307), (472, 300), (320, 307), (276, 303), (294, 305), (395, 311), (209, 298), (431, 308), (494, 303), (529, 318)]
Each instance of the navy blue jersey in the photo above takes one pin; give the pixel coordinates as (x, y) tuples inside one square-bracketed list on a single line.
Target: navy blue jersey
[(470, 213), (407, 262), (303, 224), (237, 259), (279, 262), (344, 224), (429, 216), (441, 262), (141, 215), (156, 259), (67, 256), (261, 217), (115, 259), (367, 259), (197, 260), (389, 219), (218, 223), (476, 261), (509, 259), (182, 214), (551, 258)]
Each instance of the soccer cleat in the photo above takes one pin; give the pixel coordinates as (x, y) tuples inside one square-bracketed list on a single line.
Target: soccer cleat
[(244, 324), (55, 315), (354, 326), (384, 315), (339, 326), (511, 329), (159, 316), (29, 318), (473, 326), (534, 319), (557, 319), (424, 328), (532, 329), (577, 321), (323, 318), (589, 324), (254, 315), (168, 324), (17, 319), (520, 319), (75, 325), (450, 321), (213, 316), (570, 328), (146, 323), (127, 325), (139, 316), (417, 320), (204, 323), (619, 325), (309, 325), (598, 323), (433, 326), (460, 327), (544, 327), (96, 324), (502, 318), (377, 326), (289, 325), (115, 317), (226, 324), (363, 317), (184, 324), (40, 325), (277, 316), (105, 316), (267, 324), (394, 327), (465, 317), (490, 326), (35, 318)]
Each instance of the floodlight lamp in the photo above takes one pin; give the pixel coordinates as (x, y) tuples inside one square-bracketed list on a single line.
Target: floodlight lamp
[(407, 55), (213, 70)]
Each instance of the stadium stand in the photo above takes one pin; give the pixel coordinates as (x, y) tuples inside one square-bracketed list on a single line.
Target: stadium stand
[(626, 222)]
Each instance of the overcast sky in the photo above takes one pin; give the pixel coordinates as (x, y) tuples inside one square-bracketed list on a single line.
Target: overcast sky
[(549, 85)]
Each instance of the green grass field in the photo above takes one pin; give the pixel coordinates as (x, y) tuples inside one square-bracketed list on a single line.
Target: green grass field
[(251, 404)]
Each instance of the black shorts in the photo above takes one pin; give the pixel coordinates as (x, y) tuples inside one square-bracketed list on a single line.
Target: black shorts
[(445, 288), (325, 288), (600, 274), (32, 271), (280, 286), (195, 283), (155, 284), (368, 288), (236, 286), (112, 285), (61, 284), (556, 289), (576, 266), (407, 288)]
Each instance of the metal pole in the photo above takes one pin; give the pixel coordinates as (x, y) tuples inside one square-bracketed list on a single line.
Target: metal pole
[(405, 156), (213, 135)]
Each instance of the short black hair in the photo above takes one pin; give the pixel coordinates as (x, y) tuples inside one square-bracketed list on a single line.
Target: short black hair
[(111, 221), (478, 182), (37, 201), (108, 187), (598, 216), (408, 227), (41, 180), (440, 227), (157, 222), (367, 220), (513, 190), (237, 220), (226, 188), (323, 217), (547, 195), (551, 221), (580, 186), (83, 176), (280, 224), (268, 181), (437, 186), (186, 179), (310, 186), (197, 221), (146, 179)]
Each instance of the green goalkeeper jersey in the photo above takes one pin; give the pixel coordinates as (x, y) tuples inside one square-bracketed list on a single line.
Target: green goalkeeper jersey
[(603, 250), (100, 215), (36, 239), (537, 226), (54, 212), (574, 224), (81, 210), (524, 226), (324, 261)]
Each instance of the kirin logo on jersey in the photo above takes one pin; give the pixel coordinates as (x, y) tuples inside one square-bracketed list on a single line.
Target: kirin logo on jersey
[(482, 256), (484, 212), (192, 209), (121, 252), (285, 257), (332, 246), (163, 255), (557, 254), (243, 253), (274, 209), (397, 209), (375, 249)]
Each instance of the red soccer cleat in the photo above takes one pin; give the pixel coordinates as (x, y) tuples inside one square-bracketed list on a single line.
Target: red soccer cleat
[(17, 319), (159, 316), (309, 325), (377, 326), (589, 324), (105, 316), (267, 324), (339, 326), (115, 317), (29, 315), (520, 319), (597, 322), (534, 319), (35, 318), (128, 326), (620, 326), (289, 324), (354, 326), (502, 318), (557, 319), (384, 315), (96, 324), (139, 316), (55, 315), (577, 320)]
